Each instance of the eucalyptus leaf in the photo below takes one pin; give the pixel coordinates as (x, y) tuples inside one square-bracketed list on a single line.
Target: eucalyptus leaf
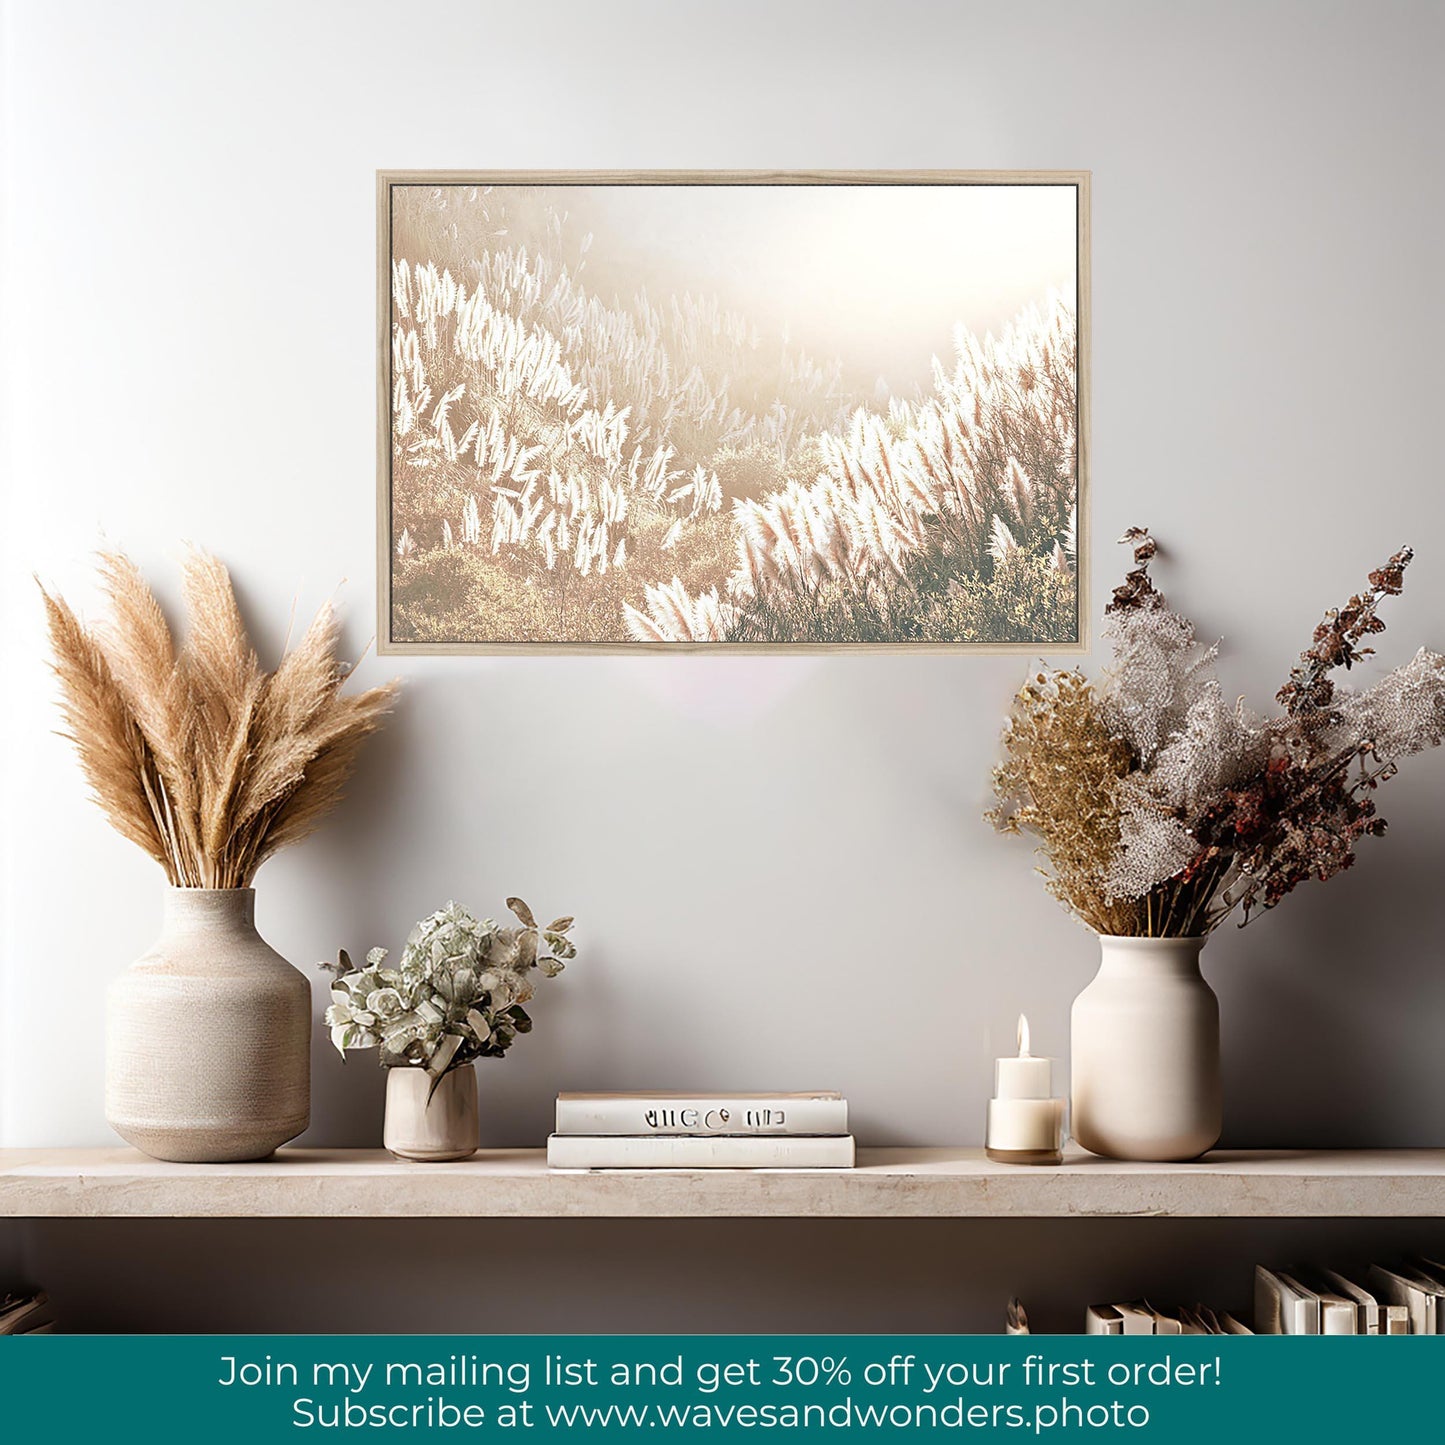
[(522, 912), (436, 1066), (526, 950), (398, 1033), (561, 925)]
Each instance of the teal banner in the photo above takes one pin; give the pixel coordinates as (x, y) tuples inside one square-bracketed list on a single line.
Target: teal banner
[(255, 1388)]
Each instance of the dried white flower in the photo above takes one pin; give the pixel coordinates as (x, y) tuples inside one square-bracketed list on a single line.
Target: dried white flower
[(1218, 746), (1403, 713), (1158, 672), (1154, 846)]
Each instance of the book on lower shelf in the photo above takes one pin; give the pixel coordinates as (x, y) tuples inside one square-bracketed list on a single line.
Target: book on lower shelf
[(1340, 1312), (702, 1114), (1399, 1299), (1418, 1294), (691, 1151), (1139, 1317), (1282, 1306), (1373, 1316)]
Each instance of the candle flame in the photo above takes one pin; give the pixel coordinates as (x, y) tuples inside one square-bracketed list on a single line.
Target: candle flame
[(1023, 1037)]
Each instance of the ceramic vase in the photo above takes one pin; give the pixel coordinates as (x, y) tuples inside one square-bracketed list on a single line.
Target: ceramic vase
[(208, 1037), (1145, 1053), (432, 1127)]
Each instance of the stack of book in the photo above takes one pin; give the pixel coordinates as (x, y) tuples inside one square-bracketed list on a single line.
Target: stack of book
[(701, 1131), (1403, 1299), (1139, 1317), (1407, 1299), (25, 1314)]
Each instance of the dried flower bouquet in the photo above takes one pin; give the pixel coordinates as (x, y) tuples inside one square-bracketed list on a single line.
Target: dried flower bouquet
[(193, 752), (457, 995), (1161, 807)]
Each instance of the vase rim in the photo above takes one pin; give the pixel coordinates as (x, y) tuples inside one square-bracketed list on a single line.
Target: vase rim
[(203, 907), (224, 892), (1139, 939)]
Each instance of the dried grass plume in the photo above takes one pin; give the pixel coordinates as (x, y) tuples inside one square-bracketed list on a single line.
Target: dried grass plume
[(194, 752)]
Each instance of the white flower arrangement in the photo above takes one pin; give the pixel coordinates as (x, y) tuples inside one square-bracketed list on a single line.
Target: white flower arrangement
[(458, 994)]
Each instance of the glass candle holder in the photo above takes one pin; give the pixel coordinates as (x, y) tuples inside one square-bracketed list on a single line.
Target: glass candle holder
[(1025, 1120)]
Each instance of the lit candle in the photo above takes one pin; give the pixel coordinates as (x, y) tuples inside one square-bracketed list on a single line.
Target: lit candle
[(1025, 1121)]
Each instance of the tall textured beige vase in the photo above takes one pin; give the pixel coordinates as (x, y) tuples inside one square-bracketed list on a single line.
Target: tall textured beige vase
[(1145, 1053), (208, 1037)]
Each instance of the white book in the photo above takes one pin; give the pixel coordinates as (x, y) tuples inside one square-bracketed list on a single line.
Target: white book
[(1103, 1320), (1428, 1269), (1369, 1313), (1230, 1325), (706, 1114), (1281, 1307), (1138, 1318), (1339, 1314), (1423, 1299), (689, 1151)]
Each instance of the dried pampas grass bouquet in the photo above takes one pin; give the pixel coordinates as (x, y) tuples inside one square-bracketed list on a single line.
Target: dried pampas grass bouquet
[(194, 752)]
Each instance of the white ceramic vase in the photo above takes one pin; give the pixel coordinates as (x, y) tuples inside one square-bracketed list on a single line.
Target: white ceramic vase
[(208, 1037), (1145, 1053), (428, 1127)]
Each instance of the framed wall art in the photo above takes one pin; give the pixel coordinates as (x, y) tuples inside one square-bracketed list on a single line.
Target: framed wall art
[(733, 411)]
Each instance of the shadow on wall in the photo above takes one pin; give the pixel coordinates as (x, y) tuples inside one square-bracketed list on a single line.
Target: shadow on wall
[(1321, 1002), (377, 869), (1317, 1005), (332, 894)]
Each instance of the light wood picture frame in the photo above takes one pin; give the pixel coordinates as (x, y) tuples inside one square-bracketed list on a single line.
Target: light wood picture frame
[(733, 411)]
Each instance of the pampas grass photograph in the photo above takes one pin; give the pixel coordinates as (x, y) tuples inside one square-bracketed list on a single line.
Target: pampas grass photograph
[(193, 751), (655, 413)]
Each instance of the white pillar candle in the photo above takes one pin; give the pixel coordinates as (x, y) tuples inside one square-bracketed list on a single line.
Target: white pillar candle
[(1024, 1077), (1024, 1125), (1025, 1121)]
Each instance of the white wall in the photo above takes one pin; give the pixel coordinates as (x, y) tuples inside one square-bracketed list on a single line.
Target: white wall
[(778, 865)]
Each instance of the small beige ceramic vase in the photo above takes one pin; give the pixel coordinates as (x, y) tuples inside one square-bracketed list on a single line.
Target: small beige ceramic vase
[(432, 1131), (1145, 1053), (208, 1037)]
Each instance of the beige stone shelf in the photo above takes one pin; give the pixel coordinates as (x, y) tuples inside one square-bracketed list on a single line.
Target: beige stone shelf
[(888, 1183)]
